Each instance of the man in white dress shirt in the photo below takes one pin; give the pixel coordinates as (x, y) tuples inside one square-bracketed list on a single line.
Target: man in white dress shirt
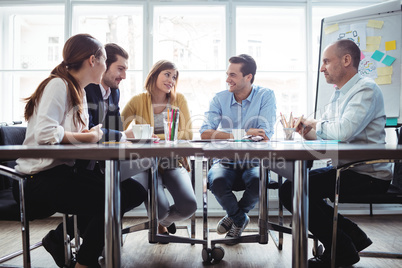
[(355, 115)]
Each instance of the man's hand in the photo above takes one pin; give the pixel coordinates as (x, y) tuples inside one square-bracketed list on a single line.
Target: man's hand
[(211, 134), (306, 128), (257, 132)]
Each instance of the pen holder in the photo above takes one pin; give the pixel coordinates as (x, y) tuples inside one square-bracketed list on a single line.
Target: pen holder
[(171, 125), (289, 133)]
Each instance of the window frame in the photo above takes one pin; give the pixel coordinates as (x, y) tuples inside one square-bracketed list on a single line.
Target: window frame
[(7, 98)]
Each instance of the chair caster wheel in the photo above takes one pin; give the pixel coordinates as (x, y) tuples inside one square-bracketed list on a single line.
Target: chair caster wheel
[(319, 251), (206, 254), (217, 254)]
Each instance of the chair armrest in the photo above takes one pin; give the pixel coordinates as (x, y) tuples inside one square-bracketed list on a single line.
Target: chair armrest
[(11, 173), (367, 162)]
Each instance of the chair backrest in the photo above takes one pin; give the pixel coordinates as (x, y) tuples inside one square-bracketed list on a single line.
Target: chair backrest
[(9, 209), (10, 136), (396, 185)]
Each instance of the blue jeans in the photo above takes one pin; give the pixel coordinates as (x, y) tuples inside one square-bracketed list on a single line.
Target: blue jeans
[(222, 178)]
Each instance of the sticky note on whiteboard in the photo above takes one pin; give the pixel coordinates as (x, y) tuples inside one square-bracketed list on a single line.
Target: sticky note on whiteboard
[(390, 45), (373, 40), (383, 80), (332, 28), (377, 55), (371, 48), (388, 60), (375, 24), (384, 70)]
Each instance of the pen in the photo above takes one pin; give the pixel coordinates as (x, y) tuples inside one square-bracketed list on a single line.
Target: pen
[(291, 120), (285, 123)]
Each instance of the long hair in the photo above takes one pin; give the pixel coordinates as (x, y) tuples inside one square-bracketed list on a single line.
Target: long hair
[(76, 50), (150, 81)]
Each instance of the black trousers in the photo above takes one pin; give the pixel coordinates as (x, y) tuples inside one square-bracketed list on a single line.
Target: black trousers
[(322, 186), (75, 190)]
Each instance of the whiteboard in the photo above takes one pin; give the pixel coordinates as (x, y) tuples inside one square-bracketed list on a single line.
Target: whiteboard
[(374, 29)]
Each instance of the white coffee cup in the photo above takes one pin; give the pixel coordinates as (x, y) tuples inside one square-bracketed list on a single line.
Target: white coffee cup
[(142, 131), (238, 134)]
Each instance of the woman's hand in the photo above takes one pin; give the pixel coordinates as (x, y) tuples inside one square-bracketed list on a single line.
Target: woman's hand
[(86, 136), (96, 133)]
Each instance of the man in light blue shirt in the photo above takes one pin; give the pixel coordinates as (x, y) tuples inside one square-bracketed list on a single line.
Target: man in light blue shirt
[(242, 106), (355, 114)]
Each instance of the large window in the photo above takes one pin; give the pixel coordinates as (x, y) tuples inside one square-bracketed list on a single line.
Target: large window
[(32, 42), (197, 45), (278, 44), (199, 36), (120, 24)]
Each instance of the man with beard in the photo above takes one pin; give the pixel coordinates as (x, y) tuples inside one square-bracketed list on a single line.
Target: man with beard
[(243, 106)]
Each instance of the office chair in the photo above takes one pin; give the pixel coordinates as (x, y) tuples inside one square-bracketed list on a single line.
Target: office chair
[(217, 253), (154, 238), (9, 209), (392, 196)]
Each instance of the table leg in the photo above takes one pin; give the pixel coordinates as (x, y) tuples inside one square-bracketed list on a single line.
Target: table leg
[(263, 207), (152, 202), (112, 214), (300, 215)]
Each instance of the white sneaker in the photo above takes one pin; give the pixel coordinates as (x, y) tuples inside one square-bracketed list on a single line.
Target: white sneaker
[(224, 225), (236, 231)]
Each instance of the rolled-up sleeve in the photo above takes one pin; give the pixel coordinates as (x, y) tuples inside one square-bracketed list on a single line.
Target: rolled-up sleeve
[(267, 117)]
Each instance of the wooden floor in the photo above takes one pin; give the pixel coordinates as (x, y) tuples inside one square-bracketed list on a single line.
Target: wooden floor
[(385, 231)]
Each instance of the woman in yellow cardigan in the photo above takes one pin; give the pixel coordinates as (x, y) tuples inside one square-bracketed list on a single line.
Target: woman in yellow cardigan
[(148, 108)]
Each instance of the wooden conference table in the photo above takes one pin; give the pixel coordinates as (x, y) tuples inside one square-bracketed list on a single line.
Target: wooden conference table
[(285, 158)]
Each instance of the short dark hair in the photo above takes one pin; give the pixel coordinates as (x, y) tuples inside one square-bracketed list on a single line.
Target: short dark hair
[(112, 50), (345, 46), (248, 64)]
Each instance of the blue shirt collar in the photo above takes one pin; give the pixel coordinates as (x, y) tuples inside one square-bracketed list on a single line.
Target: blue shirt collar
[(249, 98)]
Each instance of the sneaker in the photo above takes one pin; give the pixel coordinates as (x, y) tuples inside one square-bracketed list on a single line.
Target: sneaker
[(224, 225), (236, 231)]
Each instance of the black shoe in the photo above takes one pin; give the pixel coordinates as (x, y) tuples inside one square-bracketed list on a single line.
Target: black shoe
[(359, 238), (172, 228), (164, 243), (324, 260), (55, 246)]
